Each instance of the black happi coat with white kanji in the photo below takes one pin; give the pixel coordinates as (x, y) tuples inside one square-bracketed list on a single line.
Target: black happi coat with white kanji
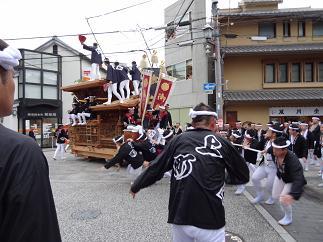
[(291, 171), (299, 146), (27, 209), (127, 153), (148, 150), (249, 155), (198, 159)]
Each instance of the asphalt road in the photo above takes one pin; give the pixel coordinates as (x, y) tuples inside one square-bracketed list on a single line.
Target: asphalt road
[(93, 204)]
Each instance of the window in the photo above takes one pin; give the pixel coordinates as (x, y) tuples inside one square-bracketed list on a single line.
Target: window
[(169, 70), (55, 49), (50, 92), (318, 28), (286, 29), (189, 70), (32, 91), (270, 73), (283, 76), (50, 78), (20, 91), (50, 62), (32, 59), (296, 72), (308, 71), (267, 29), (320, 72), (301, 29), (179, 71), (33, 76)]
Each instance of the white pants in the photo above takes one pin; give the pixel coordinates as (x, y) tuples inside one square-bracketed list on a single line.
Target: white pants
[(60, 149), (82, 117), (73, 117), (95, 71), (113, 89), (136, 86), (134, 172), (280, 188), (188, 233), (261, 173), (125, 84)]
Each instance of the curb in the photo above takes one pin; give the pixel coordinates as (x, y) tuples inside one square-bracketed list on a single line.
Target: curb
[(279, 229)]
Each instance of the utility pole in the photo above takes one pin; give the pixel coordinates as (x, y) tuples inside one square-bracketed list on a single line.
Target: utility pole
[(217, 61)]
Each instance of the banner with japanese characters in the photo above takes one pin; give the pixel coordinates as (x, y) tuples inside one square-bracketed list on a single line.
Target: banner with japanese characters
[(163, 91), (145, 92), (295, 111)]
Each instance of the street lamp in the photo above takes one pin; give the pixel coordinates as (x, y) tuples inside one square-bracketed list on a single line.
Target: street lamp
[(208, 32)]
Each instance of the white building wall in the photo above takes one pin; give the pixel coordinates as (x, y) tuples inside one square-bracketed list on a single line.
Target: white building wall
[(188, 93)]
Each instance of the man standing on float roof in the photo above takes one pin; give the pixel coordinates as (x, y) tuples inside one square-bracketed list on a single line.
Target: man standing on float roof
[(198, 159), (96, 60)]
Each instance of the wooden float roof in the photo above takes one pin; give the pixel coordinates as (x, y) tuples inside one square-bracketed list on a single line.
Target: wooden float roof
[(117, 105), (83, 85)]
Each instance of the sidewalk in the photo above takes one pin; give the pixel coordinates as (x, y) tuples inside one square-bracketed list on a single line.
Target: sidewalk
[(307, 212)]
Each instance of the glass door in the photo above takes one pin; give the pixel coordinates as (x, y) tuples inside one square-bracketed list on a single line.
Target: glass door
[(49, 127), (43, 129), (35, 126)]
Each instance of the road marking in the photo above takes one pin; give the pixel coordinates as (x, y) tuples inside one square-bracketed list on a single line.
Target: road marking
[(272, 221)]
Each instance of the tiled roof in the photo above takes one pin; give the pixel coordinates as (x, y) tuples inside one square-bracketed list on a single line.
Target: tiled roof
[(273, 49), (296, 12), (274, 95)]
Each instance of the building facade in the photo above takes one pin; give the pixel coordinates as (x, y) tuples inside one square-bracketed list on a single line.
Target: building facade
[(185, 57), (39, 104), (273, 62)]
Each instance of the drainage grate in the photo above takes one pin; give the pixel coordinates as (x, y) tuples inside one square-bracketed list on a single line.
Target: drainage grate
[(86, 214)]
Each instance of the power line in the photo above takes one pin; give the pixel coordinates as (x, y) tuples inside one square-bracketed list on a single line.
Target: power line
[(156, 28), (179, 10), (119, 10)]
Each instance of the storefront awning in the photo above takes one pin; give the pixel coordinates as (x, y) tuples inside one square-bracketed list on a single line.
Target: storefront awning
[(274, 95)]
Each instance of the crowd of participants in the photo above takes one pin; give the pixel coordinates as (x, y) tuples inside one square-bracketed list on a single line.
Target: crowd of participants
[(254, 142)]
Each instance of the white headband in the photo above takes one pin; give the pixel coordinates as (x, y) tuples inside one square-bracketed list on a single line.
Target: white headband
[(117, 140), (194, 114), (281, 146), (246, 135), (140, 136), (169, 135), (275, 130), (9, 57), (236, 135)]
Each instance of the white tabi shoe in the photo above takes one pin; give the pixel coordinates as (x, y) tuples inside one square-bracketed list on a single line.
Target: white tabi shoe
[(107, 103), (240, 190), (74, 124), (286, 220), (258, 199), (270, 201)]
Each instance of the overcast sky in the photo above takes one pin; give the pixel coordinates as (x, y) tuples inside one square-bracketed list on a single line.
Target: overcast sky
[(47, 18)]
